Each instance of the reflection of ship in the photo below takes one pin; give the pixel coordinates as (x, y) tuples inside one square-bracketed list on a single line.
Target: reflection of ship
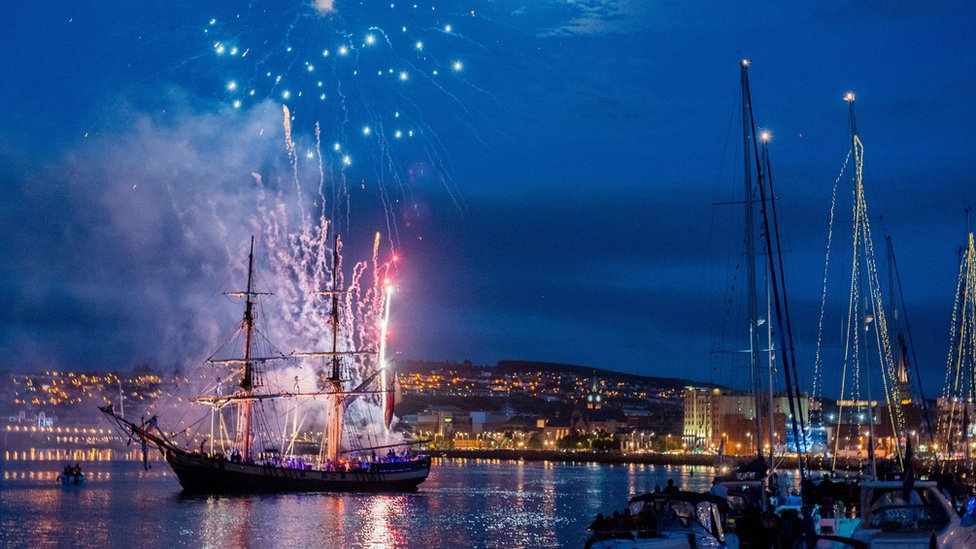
[(270, 470)]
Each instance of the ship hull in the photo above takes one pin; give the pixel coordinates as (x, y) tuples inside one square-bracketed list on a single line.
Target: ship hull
[(200, 474)]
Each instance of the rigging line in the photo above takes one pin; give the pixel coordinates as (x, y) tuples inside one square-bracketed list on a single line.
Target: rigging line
[(276, 418), (885, 376), (186, 410), (226, 378), (964, 302), (948, 388), (270, 343), (185, 430), (792, 365), (195, 423), (294, 436), (224, 434), (168, 341), (712, 221), (885, 355), (774, 282), (233, 337), (862, 220), (749, 236), (852, 299), (818, 359)]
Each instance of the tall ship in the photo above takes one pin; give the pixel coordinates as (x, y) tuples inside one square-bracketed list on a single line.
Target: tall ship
[(256, 460)]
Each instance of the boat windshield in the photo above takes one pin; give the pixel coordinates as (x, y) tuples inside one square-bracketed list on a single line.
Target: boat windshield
[(677, 514), (909, 518)]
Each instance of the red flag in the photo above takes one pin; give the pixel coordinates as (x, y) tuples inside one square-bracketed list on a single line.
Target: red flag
[(388, 411), (391, 399)]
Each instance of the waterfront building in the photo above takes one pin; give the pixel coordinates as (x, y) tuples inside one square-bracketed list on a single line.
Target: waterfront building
[(717, 417), (697, 429)]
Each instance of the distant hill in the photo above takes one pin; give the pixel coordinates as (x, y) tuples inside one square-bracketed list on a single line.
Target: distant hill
[(513, 366), (587, 371)]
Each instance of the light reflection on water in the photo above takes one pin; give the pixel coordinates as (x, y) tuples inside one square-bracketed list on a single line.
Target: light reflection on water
[(464, 503)]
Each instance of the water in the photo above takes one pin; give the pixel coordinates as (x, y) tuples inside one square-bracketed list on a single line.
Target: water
[(464, 503)]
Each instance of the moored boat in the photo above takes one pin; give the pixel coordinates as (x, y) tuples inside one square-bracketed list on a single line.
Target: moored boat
[(662, 520), (907, 515)]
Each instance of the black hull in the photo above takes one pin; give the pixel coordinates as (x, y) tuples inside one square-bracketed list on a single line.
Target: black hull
[(204, 475)]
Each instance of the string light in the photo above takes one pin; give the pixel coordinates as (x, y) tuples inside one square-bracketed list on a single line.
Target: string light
[(864, 269)]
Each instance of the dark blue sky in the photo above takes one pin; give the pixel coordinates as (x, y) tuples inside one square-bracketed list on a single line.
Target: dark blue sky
[(550, 189)]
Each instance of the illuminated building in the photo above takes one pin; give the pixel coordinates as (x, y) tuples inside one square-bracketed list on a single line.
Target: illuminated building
[(714, 416), (594, 400)]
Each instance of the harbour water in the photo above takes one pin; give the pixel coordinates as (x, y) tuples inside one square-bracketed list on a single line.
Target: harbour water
[(464, 503)]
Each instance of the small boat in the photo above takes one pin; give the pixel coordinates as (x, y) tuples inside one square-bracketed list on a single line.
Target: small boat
[(71, 476), (247, 470), (663, 520)]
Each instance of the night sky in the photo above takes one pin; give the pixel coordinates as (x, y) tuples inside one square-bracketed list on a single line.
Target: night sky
[(547, 170)]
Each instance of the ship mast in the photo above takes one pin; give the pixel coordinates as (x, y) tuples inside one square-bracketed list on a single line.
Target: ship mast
[(751, 260), (335, 425), (245, 427)]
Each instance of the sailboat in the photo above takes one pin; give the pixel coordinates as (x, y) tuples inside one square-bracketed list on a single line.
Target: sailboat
[(683, 519), (756, 157), (902, 512), (956, 405), (247, 470), (869, 423)]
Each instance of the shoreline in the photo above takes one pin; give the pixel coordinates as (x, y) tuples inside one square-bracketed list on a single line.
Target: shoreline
[(584, 457), (612, 458)]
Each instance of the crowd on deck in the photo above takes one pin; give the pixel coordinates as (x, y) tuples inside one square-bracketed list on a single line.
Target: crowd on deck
[(361, 464), (645, 522)]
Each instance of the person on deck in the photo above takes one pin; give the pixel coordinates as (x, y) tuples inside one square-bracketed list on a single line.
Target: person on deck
[(647, 519), (670, 488), (599, 524), (629, 520), (617, 522)]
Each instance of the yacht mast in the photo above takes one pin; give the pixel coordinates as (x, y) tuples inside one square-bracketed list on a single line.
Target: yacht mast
[(867, 317), (770, 358), (751, 259)]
